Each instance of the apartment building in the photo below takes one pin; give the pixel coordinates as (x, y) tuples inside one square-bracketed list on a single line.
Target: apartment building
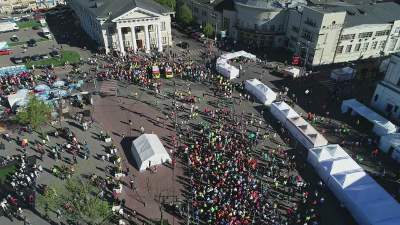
[(386, 98), (342, 33)]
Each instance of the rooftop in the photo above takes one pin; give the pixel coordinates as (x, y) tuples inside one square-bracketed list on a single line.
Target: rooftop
[(379, 13), (115, 8)]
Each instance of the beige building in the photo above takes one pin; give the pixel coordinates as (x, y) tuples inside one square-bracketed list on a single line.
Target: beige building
[(335, 34), (125, 25), (9, 6)]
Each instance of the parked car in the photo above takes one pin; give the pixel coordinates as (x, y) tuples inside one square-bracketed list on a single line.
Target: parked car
[(44, 56), (31, 43), (55, 53), (36, 58), (17, 60), (14, 38), (5, 52), (26, 59)]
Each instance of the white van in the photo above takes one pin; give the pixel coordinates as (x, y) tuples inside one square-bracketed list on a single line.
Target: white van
[(42, 22), (46, 33)]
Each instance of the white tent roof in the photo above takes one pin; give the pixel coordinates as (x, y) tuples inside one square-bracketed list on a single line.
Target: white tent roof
[(341, 74), (282, 111), (324, 153), (348, 178), (147, 150), (292, 71), (227, 70), (340, 166), (261, 91), (20, 96), (382, 126)]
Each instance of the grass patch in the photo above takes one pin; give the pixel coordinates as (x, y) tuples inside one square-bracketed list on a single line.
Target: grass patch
[(5, 171), (66, 56), (24, 42), (27, 24)]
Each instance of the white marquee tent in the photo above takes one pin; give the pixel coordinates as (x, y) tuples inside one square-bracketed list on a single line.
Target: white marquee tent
[(147, 150), (366, 200), (19, 96), (324, 153), (227, 70), (381, 127), (343, 74), (261, 91), (297, 126)]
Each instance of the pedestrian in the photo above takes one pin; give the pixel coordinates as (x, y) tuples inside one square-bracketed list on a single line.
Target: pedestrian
[(58, 213), (131, 182)]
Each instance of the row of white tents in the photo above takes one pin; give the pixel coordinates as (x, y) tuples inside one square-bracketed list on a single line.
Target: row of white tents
[(299, 128), (365, 199), (260, 91), (224, 68)]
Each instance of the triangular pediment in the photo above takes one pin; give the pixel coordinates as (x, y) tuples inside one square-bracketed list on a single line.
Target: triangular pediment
[(136, 13)]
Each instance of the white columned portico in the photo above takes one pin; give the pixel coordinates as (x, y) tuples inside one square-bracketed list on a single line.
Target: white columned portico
[(120, 40), (159, 38), (134, 44), (147, 38)]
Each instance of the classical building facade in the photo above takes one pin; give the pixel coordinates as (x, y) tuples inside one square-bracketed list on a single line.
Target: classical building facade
[(125, 25), (386, 98)]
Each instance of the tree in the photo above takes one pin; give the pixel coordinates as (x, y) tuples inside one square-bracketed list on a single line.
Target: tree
[(208, 30), (185, 14), (78, 201), (35, 113), (168, 3)]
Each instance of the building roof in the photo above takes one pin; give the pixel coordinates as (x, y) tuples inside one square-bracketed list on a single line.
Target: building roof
[(115, 8), (379, 13)]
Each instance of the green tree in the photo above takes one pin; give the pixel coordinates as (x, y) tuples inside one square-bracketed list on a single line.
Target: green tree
[(78, 201), (208, 30), (185, 14), (35, 113), (168, 3)]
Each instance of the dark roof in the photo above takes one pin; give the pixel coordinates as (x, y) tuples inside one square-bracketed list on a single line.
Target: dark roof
[(379, 13), (225, 4), (102, 8)]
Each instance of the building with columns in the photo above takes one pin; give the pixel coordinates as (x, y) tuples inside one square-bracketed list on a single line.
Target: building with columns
[(125, 25)]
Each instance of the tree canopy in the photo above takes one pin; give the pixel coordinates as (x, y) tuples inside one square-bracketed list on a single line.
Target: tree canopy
[(168, 3), (35, 113), (78, 201), (208, 30), (185, 14)]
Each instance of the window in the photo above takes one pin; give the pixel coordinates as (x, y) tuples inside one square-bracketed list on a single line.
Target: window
[(295, 29), (357, 48), (382, 33), (365, 35), (196, 10), (111, 30), (308, 21), (204, 13), (382, 44), (163, 26), (376, 98), (396, 108), (339, 49), (151, 28), (374, 44), (365, 47), (348, 48), (164, 40), (397, 30), (347, 37), (307, 35)]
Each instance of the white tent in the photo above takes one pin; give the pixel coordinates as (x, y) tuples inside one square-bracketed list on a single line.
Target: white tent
[(381, 127), (343, 74), (370, 204), (300, 129), (324, 153), (147, 150), (20, 96), (291, 71), (281, 111), (227, 70), (261, 91), (331, 167)]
